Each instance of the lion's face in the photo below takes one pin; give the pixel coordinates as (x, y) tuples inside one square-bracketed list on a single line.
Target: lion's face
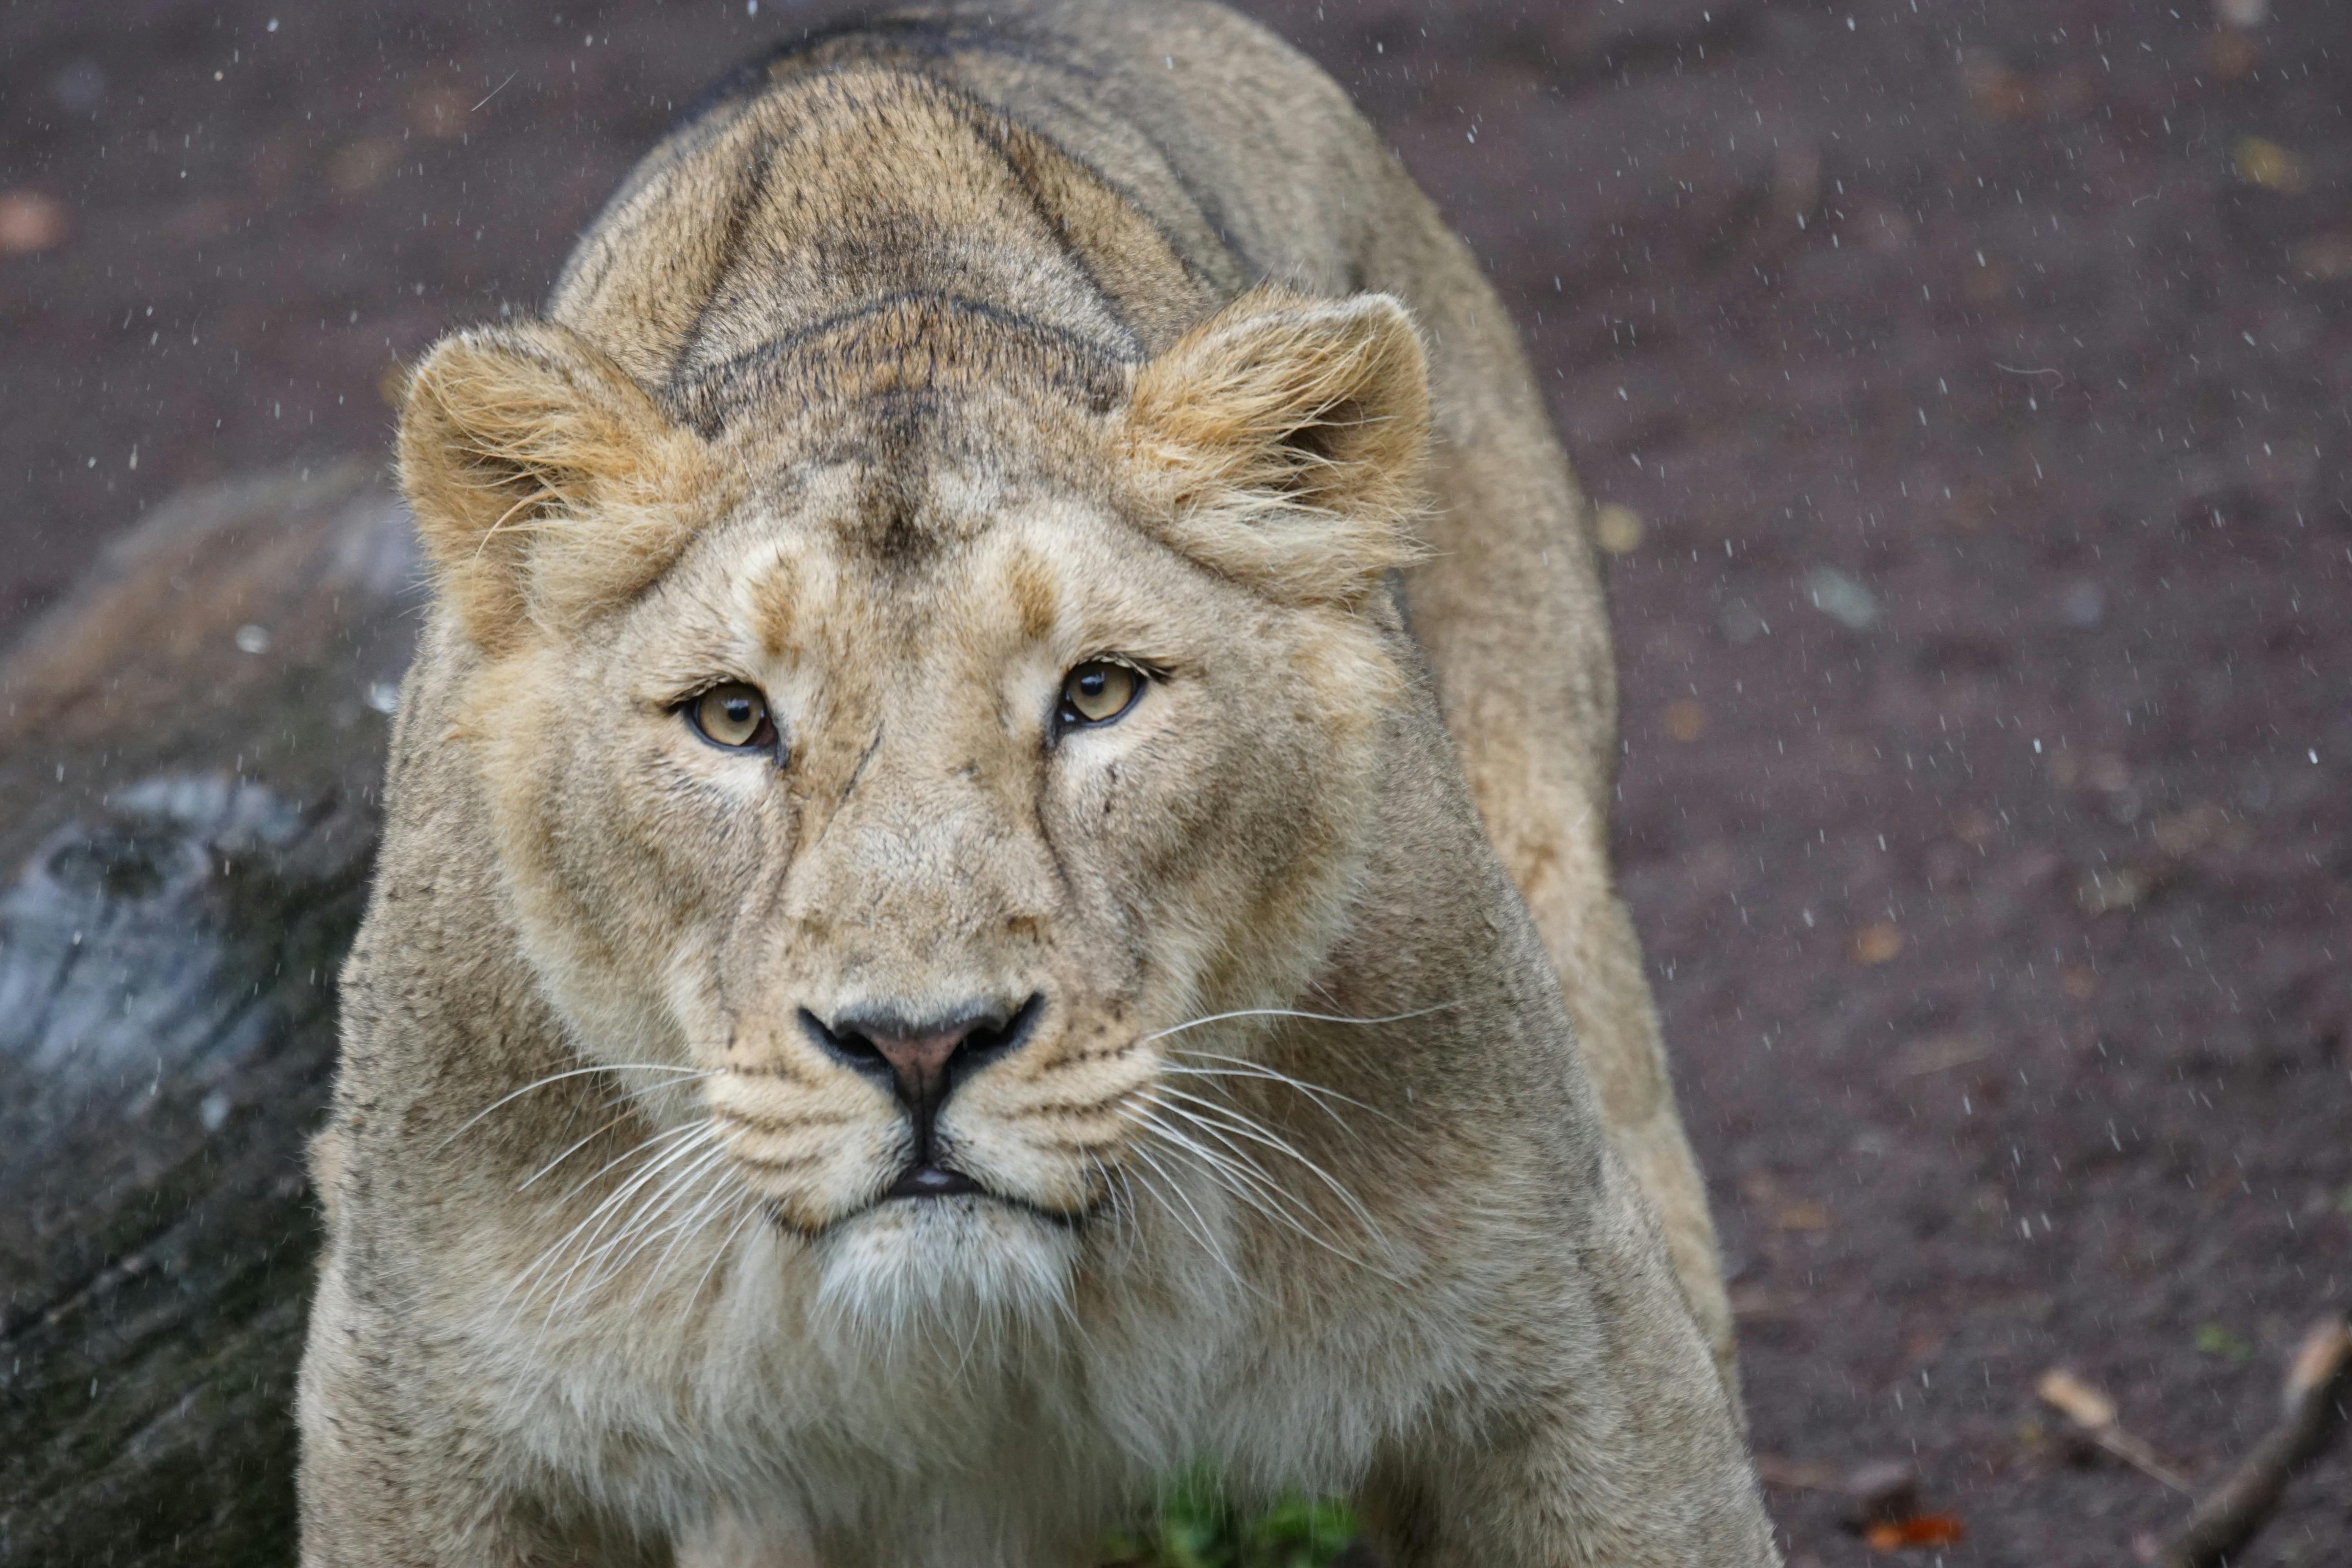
[(908, 799)]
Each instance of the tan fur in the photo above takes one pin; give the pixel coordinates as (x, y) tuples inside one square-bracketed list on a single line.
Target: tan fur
[(929, 362)]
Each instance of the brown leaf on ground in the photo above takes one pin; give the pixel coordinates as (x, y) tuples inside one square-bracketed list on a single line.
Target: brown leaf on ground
[(1782, 1210), (30, 223), (1921, 1530), (1877, 943)]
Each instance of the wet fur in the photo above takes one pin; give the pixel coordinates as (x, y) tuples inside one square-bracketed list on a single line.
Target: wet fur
[(925, 361)]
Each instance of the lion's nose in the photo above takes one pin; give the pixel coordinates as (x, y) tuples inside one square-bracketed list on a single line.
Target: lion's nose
[(924, 1060)]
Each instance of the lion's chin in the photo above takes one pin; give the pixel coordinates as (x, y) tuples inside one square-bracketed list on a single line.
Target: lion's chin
[(918, 1267)]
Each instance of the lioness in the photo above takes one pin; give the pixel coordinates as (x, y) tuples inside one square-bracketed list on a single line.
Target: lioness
[(935, 956)]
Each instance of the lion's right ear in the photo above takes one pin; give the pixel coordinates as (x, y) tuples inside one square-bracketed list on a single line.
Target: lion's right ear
[(547, 486)]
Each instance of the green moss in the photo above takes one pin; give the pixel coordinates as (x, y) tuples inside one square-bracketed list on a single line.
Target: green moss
[(1199, 1527)]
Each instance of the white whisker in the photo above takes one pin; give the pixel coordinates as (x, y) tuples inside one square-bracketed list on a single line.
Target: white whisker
[(575, 1072), (1242, 1167), (1201, 1234), (571, 1151), (726, 1243), (1249, 1127), (1240, 1179), (1295, 1013), (695, 1220), (681, 1136), (638, 1216), (1317, 1094)]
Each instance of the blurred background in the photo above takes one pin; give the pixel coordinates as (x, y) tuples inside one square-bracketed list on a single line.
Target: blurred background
[(1963, 387)]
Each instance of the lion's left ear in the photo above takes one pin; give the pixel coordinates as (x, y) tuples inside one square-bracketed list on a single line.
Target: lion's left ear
[(1281, 442)]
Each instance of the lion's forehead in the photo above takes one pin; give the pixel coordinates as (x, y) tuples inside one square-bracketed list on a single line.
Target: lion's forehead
[(825, 587)]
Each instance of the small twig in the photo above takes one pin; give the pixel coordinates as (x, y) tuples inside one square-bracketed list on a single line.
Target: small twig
[(2095, 1413), (2318, 1385)]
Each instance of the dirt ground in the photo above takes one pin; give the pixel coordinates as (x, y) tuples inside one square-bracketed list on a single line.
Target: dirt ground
[(1968, 383)]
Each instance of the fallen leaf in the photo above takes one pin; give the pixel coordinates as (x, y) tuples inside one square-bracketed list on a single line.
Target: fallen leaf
[(1937, 1053), (1919, 1529), (1781, 1210), (1876, 944), (2112, 888), (2268, 164), (1617, 529), (2076, 1400), (1800, 1214), (30, 223), (1685, 720)]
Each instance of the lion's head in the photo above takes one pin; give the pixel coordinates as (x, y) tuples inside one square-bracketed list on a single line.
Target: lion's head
[(903, 745)]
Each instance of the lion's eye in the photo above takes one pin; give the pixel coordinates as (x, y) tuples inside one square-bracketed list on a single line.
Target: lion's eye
[(1098, 692), (733, 715)]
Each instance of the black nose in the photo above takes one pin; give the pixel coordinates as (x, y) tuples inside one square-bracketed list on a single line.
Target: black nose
[(923, 1059)]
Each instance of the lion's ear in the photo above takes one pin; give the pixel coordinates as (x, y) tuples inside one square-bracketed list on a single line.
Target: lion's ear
[(1282, 441), (547, 486)]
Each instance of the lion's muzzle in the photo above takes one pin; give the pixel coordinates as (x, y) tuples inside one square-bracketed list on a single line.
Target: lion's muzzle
[(923, 1062)]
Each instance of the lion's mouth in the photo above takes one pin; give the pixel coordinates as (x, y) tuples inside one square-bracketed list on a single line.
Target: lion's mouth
[(930, 1179)]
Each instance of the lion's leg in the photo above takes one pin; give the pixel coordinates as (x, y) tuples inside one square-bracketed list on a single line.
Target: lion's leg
[(1509, 607), (1528, 1498), (1595, 1431), (390, 1479)]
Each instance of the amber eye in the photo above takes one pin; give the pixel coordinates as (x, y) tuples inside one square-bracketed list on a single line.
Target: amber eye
[(1098, 691), (734, 716)]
